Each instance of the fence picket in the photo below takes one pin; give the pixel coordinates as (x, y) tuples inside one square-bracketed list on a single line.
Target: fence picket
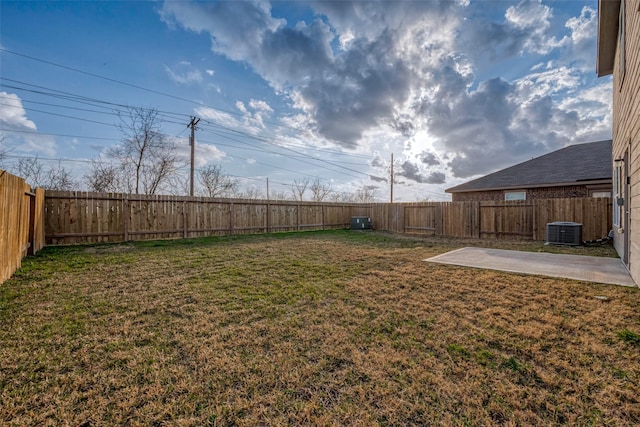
[(72, 217), (21, 222)]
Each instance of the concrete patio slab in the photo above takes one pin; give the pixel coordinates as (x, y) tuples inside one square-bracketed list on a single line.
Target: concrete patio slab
[(579, 267)]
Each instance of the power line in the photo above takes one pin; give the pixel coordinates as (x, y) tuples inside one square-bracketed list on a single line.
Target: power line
[(68, 96), (62, 115), (133, 85), (140, 87), (280, 154), (268, 140), (86, 100), (59, 134)]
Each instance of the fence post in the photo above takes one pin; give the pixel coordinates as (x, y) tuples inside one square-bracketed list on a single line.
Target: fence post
[(32, 223), (268, 214), (231, 217), (184, 219), (125, 219), (534, 219), (298, 217)]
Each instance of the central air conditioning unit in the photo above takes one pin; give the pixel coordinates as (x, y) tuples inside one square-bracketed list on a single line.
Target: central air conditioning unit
[(360, 223), (564, 233)]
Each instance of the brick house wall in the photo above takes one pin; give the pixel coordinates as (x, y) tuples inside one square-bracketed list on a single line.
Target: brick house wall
[(531, 193)]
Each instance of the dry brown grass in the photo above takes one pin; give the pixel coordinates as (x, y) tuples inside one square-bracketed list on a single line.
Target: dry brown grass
[(333, 328)]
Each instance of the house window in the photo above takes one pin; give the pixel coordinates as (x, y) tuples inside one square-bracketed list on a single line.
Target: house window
[(515, 195), (600, 194), (617, 195)]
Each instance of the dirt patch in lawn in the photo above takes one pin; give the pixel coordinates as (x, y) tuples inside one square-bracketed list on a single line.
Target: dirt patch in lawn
[(334, 328)]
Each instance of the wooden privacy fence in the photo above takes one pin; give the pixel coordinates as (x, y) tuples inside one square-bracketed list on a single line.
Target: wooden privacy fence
[(79, 217), (21, 222), (498, 219)]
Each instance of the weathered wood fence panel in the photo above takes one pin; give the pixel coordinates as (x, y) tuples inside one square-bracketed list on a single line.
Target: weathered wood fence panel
[(80, 217), (595, 215), (510, 220), (73, 217), (21, 222), (423, 219), (507, 220), (460, 219)]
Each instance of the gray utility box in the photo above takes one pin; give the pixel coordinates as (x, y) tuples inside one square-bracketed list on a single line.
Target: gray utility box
[(360, 223), (564, 233)]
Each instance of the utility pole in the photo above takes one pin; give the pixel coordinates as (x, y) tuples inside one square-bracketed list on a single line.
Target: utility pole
[(192, 142), (267, 188), (391, 177)]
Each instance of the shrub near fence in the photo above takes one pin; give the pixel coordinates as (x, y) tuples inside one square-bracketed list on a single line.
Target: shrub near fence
[(21, 222), (79, 217)]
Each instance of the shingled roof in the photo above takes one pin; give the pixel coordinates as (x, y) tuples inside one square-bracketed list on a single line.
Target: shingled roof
[(574, 164)]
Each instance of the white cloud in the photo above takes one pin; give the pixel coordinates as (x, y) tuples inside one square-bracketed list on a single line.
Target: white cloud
[(529, 14), (344, 93), (582, 46), (219, 117), (260, 105), (550, 82), (12, 114), (184, 73), (245, 122), (208, 153), (240, 106), (402, 77), (583, 27), (204, 152), (532, 20)]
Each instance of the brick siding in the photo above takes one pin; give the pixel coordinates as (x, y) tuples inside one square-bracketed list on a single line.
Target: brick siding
[(532, 193)]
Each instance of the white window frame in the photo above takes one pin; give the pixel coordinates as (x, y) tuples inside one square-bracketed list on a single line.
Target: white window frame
[(511, 196), (600, 194)]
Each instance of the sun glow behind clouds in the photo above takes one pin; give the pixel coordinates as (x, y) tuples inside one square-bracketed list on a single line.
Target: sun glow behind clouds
[(453, 89)]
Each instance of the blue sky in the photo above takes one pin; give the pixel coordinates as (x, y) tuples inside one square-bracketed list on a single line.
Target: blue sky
[(306, 90)]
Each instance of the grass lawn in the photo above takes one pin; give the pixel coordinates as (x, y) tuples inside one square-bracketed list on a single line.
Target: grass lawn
[(319, 328)]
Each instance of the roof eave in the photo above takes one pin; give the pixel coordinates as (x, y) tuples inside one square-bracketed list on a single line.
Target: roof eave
[(608, 13)]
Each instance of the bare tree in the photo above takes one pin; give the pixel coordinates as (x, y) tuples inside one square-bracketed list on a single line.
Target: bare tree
[(319, 191), (279, 195), (4, 153), (337, 197), (298, 188), (31, 170), (59, 178), (216, 183), (252, 193), (105, 178), (365, 194), (148, 158), (178, 185)]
